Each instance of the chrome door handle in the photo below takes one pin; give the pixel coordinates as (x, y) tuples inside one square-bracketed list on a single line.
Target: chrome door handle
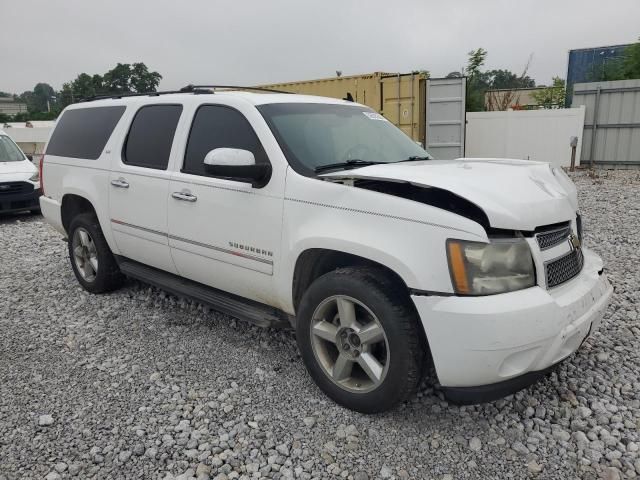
[(120, 183), (187, 197)]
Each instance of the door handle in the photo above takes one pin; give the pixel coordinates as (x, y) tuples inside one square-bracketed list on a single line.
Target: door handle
[(186, 196), (120, 183)]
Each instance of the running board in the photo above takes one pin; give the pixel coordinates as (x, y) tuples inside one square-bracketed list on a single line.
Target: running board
[(254, 312)]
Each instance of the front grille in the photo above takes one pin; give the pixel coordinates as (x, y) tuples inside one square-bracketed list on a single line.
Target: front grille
[(552, 238), (11, 188), (564, 268)]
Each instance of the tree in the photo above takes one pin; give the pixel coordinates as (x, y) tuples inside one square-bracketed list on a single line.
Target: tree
[(624, 67), (506, 79), (126, 78), (553, 96), (44, 96), (142, 80), (476, 83), (631, 61)]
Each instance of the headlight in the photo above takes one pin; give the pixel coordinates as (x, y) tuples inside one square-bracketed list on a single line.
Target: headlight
[(503, 265), (35, 177)]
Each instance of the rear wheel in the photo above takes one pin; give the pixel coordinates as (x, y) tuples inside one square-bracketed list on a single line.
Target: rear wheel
[(91, 258), (359, 338)]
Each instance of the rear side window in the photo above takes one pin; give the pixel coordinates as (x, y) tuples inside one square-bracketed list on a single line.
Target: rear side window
[(151, 136), (216, 126), (83, 132)]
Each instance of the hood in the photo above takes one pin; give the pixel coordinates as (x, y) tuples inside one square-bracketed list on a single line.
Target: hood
[(25, 166), (514, 194)]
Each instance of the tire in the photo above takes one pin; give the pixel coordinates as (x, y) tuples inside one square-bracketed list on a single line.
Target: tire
[(378, 304), (94, 257), (36, 211)]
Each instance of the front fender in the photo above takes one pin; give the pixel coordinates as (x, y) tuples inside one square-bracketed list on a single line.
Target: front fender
[(405, 236)]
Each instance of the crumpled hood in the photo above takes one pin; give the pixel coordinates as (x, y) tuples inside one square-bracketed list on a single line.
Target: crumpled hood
[(24, 166), (514, 194)]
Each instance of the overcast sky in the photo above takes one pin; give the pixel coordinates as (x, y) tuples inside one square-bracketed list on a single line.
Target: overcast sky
[(264, 41)]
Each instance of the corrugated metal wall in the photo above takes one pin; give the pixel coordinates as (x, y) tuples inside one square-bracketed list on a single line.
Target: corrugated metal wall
[(612, 122)]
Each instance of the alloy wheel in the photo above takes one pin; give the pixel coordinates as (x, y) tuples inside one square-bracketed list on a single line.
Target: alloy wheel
[(85, 255), (350, 344)]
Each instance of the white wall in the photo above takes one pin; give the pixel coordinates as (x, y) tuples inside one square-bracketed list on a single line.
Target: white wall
[(528, 134), (30, 139)]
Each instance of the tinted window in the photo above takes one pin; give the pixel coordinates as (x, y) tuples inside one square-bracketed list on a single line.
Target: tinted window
[(83, 132), (151, 136), (219, 127)]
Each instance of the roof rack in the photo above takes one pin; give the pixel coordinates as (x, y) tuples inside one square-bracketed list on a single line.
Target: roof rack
[(195, 89), (199, 88)]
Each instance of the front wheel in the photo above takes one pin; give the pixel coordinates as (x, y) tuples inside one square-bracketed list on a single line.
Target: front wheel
[(359, 339), (91, 258)]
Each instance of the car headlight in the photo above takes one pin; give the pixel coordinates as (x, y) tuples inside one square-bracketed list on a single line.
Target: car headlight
[(502, 265), (35, 177)]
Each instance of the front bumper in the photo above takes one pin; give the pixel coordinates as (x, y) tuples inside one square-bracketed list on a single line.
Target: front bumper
[(15, 202), (485, 343)]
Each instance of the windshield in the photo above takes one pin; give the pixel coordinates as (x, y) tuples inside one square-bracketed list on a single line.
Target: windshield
[(9, 151), (314, 135)]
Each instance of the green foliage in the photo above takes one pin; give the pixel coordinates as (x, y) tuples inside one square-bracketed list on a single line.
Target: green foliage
[(123, 78), (625, 67), (478, 82), (476, 85), (553, 96), (44, 103), (505, 79), (631, 62)]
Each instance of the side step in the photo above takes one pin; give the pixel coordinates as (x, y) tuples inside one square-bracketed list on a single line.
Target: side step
[(254, 312)]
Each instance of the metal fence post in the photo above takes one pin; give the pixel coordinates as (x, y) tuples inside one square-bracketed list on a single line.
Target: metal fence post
[(594, 127)]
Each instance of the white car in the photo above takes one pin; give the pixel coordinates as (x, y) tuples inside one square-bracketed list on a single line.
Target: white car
[(319, 213), (19, 179)]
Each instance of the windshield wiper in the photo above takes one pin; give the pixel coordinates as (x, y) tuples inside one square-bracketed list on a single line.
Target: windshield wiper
[(413, 158), (354, 162)]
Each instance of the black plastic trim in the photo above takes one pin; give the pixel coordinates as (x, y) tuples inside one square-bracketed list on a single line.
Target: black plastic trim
[(430, 293), (494, 391), (254, 312), (30, 199)]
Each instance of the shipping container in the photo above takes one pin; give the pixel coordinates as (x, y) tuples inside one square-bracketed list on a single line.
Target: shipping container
[(589, 65), (400, 97)]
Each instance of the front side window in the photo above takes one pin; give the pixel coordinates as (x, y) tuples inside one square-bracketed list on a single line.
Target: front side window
[(151, 136), (9, 151), (314, 135), (217, 126)]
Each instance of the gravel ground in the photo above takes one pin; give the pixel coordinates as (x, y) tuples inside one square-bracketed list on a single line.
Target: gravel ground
[(140, 384)]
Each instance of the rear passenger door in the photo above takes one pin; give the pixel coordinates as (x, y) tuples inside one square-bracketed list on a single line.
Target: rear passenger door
[(139, 182)]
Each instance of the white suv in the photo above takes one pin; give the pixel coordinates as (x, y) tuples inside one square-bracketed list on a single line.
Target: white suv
[(319, 213)]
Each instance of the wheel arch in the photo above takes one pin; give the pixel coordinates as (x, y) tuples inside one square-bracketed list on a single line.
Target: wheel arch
[(315, 262), (73, 205)]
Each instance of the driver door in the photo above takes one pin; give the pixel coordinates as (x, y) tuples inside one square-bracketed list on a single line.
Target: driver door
[(222, 231)]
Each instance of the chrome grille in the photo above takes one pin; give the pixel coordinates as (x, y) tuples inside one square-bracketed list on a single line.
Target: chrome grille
[(551, 238), (564, 268)]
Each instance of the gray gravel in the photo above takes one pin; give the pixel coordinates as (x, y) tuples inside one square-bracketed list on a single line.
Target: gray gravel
[(140, 384)]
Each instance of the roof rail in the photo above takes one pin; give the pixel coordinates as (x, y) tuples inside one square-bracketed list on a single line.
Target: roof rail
[(195, 89), (199, 88), (125, 95)]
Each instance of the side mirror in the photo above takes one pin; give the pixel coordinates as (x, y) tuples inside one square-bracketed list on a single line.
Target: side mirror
[(236, 164)]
